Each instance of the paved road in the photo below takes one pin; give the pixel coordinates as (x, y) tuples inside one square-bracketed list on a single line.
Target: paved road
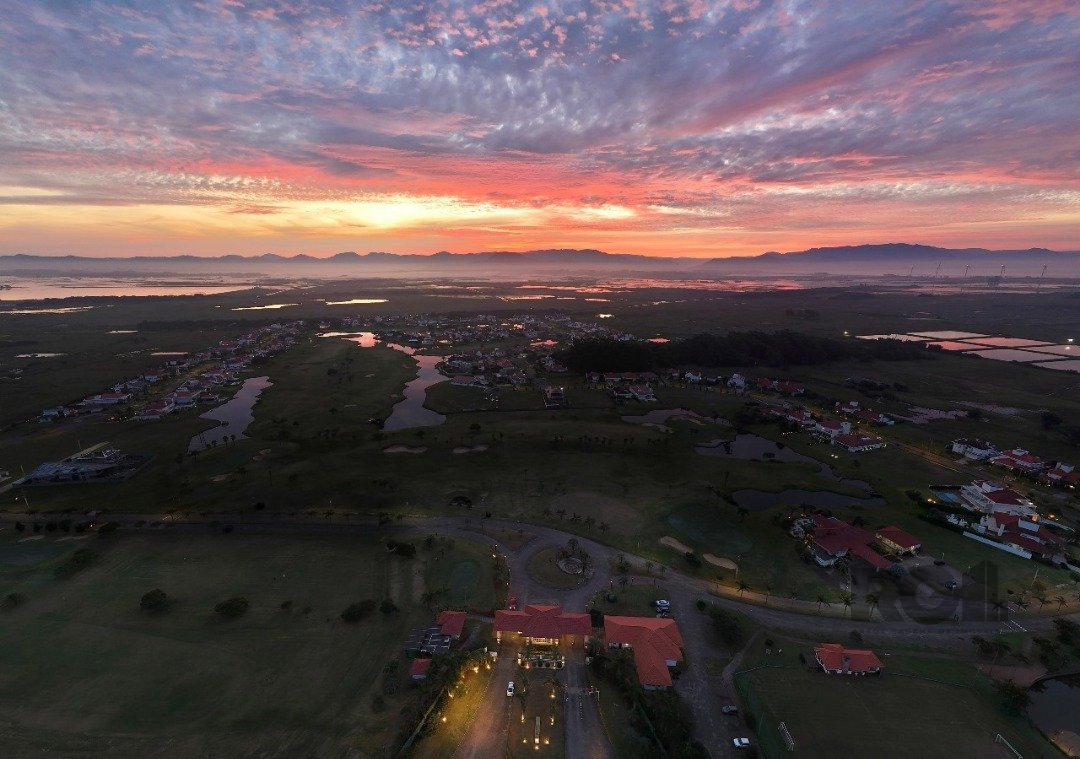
[(488, 733), (585, 737)]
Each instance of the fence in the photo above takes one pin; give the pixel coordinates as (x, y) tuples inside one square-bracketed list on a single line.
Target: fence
[(771, 742)]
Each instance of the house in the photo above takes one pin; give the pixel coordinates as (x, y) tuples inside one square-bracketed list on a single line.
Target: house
[(543, 624), (52, 414), (831, 539), (834, 659), (790, 388), (554, 396), (156, 410), (737, 382), (110, 399), (419, 669), (897, 541), (693, 377), (1063, 475), (858, 443), (1026, 534), (971, 448), (451, 623), (989, 498), (1018, 460), (765, 383), (186, 398), (830, 428), (642, 393), (656, 643)]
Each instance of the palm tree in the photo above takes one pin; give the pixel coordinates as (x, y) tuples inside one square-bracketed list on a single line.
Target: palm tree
[(743, 587), (768, 592), (1060, 601), (872, 601), (820, 602), (847, 599)]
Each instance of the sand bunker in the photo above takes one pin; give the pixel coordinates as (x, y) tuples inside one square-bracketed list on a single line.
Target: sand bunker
[(404, 449), (470, 449), (671, 542), (720, 561)]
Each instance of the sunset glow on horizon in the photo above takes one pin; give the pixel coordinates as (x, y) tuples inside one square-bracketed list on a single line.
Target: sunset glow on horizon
[(671, 128)]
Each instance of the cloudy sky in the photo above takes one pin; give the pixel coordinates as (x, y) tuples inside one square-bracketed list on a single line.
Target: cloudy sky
[(670, 128)]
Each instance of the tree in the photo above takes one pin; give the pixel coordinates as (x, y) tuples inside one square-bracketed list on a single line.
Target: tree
[(155, 602), (388, 606), (872, 601), (1014, 699), (743, 587), (12, 601), (357, 611), (232, 608)]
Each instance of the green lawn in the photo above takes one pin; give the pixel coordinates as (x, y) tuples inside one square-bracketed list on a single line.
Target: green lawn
[(87, 672), (886, 716)]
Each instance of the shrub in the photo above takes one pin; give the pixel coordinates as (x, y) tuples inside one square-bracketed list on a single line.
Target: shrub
[(155, 602), (355, 612), (81, 559), (232, 608), (700, 604), (12, 601), (388, 606)]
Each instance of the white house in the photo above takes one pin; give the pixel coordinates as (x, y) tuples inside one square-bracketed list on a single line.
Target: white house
[(974, 449), (991, 498)]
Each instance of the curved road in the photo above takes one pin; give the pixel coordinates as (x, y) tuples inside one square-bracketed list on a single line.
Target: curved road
[(584, 733)]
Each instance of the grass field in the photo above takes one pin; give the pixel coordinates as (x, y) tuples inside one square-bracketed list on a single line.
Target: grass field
[(913, 709), (87, 672)]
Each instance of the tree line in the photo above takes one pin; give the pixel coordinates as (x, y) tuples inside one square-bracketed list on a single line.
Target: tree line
[(754, 348)]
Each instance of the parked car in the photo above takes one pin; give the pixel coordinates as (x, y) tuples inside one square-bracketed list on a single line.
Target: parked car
[(741, 742), (510, 689), (729, 710)]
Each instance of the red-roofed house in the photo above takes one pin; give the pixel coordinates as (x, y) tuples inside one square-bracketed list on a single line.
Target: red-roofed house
[(544, 624), (1064, 475), (974, 449), (895, 540), (990, 498), (837, 660), (451, 623), (858, 443), (419, 669), (1027, 534), (1019, 460), (656, 643), (830, 428)]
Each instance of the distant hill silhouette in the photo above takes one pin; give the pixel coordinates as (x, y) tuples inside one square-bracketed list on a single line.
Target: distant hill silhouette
[(899, 259)]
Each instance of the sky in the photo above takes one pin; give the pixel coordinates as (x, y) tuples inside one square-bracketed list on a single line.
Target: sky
[(675, 128)]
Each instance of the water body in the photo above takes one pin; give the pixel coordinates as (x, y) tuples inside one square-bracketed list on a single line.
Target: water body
[(758, 500), (410, 412), (235, 415), (35, 288), (750, 447), (1055, 705)]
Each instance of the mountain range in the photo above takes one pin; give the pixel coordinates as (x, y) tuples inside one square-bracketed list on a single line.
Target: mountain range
[(899, 259)]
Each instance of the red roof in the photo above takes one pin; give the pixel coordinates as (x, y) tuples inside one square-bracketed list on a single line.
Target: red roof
[(655, 642), (871, 557), (542, 621), (451, 622), (905, 540), (859, 661), (419, 668)]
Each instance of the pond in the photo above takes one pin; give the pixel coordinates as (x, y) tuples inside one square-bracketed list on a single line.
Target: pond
[(750, 447), (758, 500), (410, 412), (1055, 706), (235, 415), (662, 415)]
